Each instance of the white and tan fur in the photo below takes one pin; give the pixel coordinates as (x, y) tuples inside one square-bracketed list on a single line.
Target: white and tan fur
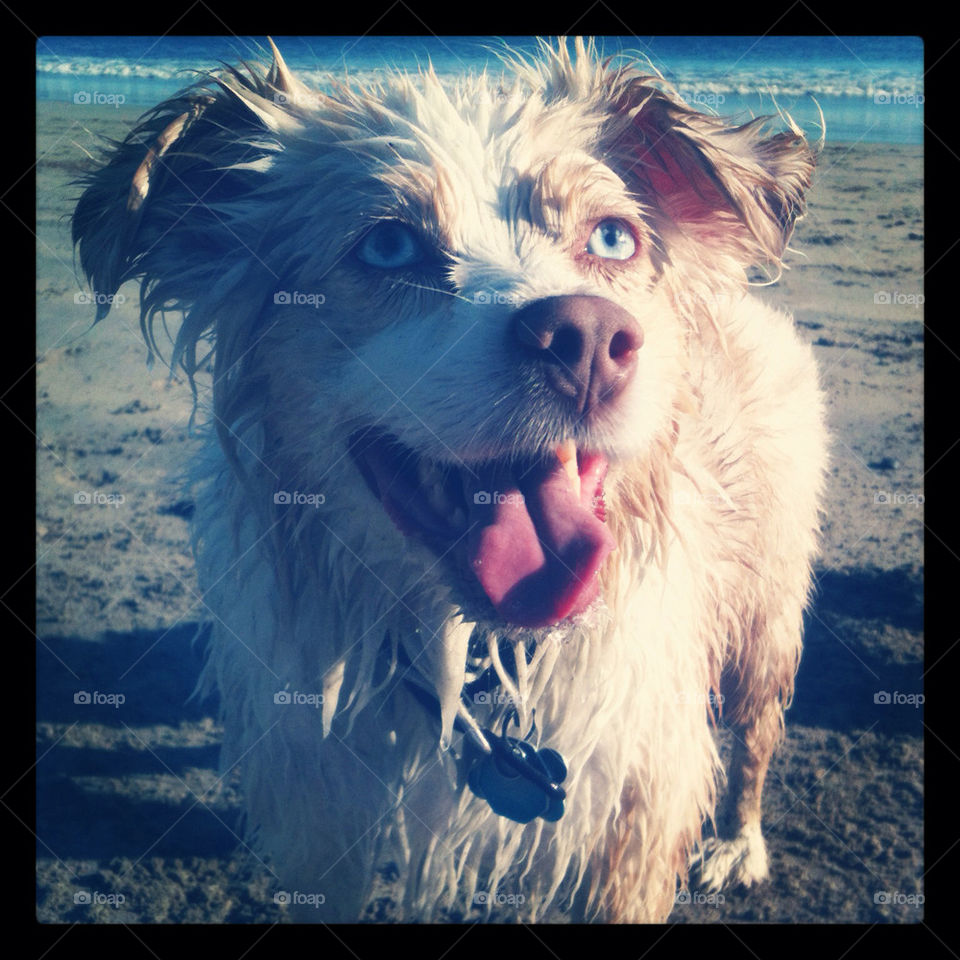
[(249, 184)]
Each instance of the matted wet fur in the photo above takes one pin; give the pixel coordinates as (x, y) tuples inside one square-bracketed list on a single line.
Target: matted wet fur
[(367, 264)]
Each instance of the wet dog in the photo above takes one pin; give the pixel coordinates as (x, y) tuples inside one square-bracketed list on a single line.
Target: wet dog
[(511, 488)]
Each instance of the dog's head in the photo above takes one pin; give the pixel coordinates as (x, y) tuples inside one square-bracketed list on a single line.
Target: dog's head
[(477, 297)]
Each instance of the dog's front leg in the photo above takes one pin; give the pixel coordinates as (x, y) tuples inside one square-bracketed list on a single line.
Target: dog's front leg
[(753, 706), (315, 807), (738, 855)]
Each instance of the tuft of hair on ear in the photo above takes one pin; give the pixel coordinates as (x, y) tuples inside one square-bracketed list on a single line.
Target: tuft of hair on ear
[(165, 205), (728, 187)]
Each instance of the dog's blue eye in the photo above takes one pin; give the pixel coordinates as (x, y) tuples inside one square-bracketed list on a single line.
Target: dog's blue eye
[(390, 245), (613, 240)]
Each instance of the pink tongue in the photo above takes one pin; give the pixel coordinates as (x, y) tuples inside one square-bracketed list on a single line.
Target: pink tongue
[(534, 545)]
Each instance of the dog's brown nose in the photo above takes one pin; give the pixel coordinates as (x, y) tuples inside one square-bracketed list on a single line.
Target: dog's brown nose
[(585, 348)]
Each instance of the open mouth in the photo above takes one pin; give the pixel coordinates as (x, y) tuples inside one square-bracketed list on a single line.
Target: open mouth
[(530, 532)]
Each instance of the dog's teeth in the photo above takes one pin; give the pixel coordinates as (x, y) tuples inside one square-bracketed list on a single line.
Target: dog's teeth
[(567, 452), (438, 499), (431, 483), (428, 473), (458, 518)]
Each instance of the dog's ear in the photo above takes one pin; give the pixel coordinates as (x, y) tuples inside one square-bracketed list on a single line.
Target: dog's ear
[(163, 206), (726, 187)]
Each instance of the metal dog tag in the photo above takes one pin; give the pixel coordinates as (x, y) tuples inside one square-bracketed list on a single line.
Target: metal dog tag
[(519, 781)]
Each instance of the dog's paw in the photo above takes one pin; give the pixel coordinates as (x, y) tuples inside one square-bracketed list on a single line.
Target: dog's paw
[(727, 863)]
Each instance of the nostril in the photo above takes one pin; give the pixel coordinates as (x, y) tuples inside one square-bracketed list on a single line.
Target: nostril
[(567, 345), (625, 342)]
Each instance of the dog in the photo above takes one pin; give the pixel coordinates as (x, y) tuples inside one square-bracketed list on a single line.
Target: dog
[(510, 490)]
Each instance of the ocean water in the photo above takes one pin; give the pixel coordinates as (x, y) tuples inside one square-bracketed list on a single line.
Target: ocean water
[(869, 88)]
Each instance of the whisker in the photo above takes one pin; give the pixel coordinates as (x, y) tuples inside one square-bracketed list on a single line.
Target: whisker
[(429, 288)]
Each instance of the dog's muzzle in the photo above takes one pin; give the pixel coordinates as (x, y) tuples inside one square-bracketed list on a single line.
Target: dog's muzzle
[(528, 529)]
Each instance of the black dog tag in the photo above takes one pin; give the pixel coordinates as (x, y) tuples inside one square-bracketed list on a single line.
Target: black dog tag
[(519, 781)]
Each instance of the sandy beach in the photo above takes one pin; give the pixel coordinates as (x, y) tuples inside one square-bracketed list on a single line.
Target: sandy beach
[(133, 823)]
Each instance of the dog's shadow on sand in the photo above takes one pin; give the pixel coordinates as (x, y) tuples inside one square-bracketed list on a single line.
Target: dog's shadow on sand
[(133, 778), (125, 780), (863, 649)]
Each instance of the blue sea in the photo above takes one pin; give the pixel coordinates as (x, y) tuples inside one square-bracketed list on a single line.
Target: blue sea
[(869, 88)]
